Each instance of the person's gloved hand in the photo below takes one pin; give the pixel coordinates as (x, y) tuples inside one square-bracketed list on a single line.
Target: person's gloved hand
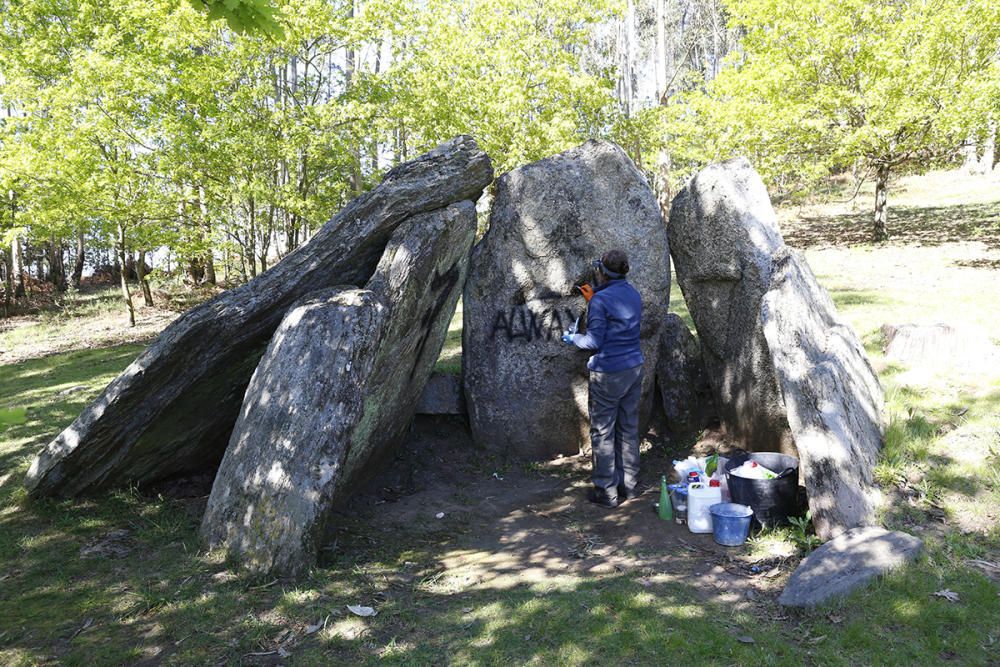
[(587, 291), (567, 337)]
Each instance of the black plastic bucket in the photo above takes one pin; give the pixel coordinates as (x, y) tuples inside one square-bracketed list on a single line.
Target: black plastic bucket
[(772, 500)]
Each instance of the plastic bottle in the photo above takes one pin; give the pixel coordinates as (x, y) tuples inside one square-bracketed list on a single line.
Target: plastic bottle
[(664, 511), (700, 498)]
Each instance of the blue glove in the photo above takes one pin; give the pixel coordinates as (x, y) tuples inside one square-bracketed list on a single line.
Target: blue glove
[(567, 338)]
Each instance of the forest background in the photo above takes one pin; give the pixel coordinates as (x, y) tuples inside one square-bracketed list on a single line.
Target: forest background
[(142, 139)]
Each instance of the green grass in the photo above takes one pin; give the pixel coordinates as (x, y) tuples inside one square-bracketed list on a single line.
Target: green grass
[(162, 600), (450, 359), (167, 601), (91, 318)]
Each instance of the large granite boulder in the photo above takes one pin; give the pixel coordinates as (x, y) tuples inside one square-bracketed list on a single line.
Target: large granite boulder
[(526, 391), (723, 234), (688, 406), (788, 375), (335, 392), (172, 410)]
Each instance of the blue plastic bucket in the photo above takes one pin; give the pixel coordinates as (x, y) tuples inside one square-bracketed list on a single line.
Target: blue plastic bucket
[(730, 523)]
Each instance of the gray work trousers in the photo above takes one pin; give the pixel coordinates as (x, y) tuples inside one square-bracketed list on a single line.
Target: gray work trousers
[(614, 428)]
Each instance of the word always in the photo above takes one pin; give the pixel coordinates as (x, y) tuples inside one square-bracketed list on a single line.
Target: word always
[(524, 325)]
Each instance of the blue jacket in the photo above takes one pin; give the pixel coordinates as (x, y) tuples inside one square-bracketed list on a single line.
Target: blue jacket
[(613, 320)]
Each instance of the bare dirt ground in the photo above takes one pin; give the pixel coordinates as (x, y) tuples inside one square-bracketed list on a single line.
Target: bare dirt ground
[(506, 524)]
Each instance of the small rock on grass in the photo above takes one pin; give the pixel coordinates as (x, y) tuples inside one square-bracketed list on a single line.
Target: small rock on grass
[(846, 563)]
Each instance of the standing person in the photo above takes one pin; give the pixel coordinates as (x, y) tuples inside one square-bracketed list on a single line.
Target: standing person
[(613, 320)]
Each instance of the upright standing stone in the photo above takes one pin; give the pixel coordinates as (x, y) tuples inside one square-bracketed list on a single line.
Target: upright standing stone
[(173, 408), (334, 392), (787, 373), (723, 234), (526, 391), (685, 393)]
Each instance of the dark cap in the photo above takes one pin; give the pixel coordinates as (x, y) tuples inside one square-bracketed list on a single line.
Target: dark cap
[(616, 261)]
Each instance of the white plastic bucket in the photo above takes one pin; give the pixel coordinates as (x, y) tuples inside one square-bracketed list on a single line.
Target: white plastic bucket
[(700, 498)]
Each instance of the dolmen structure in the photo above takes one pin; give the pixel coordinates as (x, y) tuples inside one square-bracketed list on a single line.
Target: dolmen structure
[(297, 385)]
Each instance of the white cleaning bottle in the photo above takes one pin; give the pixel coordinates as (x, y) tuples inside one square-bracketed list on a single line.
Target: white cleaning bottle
[(700, 498)]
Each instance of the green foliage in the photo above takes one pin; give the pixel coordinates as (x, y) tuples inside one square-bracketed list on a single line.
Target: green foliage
[(243, 15), (802, 533), (142, 125), (823, 85)]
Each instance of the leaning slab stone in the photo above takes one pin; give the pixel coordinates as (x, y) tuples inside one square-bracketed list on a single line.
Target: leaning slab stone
[(173, 408), (847, 563), (526, 390), (335, 392), (685, 393), (788, 375), (831, 395)]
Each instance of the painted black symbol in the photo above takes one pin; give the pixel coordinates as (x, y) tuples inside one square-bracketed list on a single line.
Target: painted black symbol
[(523, 325)]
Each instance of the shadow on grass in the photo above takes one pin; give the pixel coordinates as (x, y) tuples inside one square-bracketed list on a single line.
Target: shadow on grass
[(54, 390), (929, 226), (164, 602), (845, 297)]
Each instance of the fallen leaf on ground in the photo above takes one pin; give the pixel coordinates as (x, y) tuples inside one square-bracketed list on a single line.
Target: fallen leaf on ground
[(319, 625), (439, 515), (360, 610), (834, 618), (746, 639), (466, 610), (949, 595)]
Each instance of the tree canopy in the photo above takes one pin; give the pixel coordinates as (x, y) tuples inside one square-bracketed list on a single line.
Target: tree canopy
[(221, 133), (826, 85)]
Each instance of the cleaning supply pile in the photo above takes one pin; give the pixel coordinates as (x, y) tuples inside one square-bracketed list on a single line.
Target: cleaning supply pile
[(701, 498)]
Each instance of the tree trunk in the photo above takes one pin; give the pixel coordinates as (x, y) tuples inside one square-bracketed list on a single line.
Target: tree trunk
[(880, 228), (8, 291), (988, 158), (251, 249), (17, 261), (210, 268), (970, 155), (350, 68), (661, 52), (140, 268), (123, 260), (57, 270), (207, 224), (78, 263), (196, 270)]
